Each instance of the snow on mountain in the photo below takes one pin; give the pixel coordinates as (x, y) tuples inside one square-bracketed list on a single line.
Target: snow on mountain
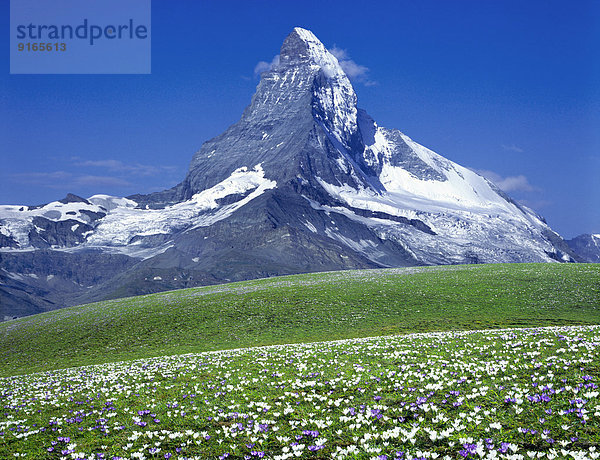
[(20, 225), (587, 246), (119, 225), (464, 210), (128, 225), (111, 202)]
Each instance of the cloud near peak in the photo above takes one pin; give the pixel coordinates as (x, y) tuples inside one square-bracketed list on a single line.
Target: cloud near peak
[(518, 183), (512, 148), (264, 66), (355, 72)]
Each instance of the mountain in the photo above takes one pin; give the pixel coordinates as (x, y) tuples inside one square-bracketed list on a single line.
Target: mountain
[(304, 181), (587, 247)]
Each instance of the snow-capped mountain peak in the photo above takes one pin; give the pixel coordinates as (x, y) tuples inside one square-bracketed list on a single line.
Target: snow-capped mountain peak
[(304, 181), (302, 47)]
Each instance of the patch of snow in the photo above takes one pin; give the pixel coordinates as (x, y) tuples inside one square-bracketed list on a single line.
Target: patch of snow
[(17, 250), (406, 195), (18, 220), (111, 202), (240, 182), (302, 180), (137, 251), (342, 165), (347, 162), (495, 238), (364, 247), (310, 226)]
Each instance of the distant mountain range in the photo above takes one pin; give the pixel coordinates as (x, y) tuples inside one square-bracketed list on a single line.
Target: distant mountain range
[(305, 181)]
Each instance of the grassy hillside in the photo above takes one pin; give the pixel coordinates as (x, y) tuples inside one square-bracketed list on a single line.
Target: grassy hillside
[(302, 308)]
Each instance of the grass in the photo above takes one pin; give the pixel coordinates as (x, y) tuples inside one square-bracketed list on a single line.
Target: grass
[(304, 308)]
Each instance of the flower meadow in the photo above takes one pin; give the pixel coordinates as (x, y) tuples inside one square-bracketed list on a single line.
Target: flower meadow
[(502, 394)]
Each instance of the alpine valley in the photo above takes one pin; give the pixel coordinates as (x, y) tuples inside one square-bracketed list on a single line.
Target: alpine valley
[(305, 181)]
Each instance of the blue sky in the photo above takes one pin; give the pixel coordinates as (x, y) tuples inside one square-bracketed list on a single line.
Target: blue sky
[(508, 88)]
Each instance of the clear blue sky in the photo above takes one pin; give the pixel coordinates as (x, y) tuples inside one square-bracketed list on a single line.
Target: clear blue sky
[(507, 87)]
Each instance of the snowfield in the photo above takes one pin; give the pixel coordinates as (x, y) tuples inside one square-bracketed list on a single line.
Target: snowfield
[(122, 220)]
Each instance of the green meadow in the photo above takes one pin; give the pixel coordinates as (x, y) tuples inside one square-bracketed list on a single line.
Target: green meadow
[(304, 308)]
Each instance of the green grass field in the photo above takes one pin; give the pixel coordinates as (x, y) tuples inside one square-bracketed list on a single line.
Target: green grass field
[(304, 308)]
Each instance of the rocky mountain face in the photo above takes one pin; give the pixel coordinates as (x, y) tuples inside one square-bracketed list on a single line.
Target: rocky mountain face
[(587, 247), (304, 181)]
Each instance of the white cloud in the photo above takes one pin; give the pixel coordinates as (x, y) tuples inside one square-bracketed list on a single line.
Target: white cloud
[(515, 183), (512, 148), (118, 166), (355, 72), (264, 66), (95, 173), (339, 53), (42, 178), (64, 179), (106, 181), (518, 183)]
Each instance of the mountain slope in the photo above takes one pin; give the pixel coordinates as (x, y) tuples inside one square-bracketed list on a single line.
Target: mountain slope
[(587, 247), (304, 181)]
